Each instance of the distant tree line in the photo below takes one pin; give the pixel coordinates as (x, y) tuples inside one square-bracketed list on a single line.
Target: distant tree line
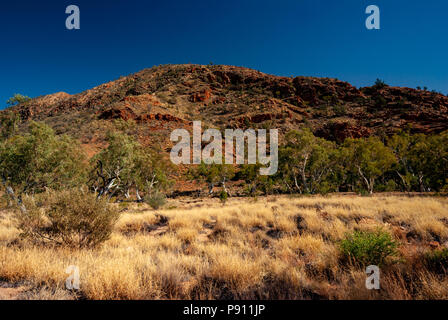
[(404, 162), (308, 164)]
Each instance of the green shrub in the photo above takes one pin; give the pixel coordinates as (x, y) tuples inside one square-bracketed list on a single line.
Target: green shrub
[(156, 200), (364, 193), (223, 196), (437, 260), (73, 218), (380, 84), (369, 247)]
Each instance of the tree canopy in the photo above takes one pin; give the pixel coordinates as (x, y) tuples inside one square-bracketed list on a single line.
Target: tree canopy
[(40, 159)]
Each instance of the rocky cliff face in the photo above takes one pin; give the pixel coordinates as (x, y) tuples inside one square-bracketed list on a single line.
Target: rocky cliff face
[(171, 96)]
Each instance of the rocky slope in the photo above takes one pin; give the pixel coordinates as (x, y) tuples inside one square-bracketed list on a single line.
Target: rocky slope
[(171, 96)]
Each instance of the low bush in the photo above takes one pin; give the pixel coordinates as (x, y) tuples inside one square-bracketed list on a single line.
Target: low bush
[(156, 200), (223, 196), (73, 218), (369, 247)]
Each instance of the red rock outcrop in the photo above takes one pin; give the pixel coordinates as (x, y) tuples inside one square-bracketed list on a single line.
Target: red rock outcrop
[(202, 96), (125, 114), (339, 131)]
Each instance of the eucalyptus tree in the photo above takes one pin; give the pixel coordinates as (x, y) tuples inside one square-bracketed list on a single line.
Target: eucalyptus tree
[(368, 159), (306, 161), (37, 160)]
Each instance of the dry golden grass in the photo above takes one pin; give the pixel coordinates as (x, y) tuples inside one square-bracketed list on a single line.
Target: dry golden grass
[(270, 248)]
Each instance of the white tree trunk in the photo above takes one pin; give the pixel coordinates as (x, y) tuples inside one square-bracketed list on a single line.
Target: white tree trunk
[(137, 194)]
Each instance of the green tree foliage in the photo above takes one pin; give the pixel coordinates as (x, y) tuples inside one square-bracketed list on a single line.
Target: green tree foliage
[(17, 99), (367, 160), (151, 173), (406, 162), (126, 164), (250, 173), (9, 122), (438, 174), (306, 162), (422, 160), (213, 174), (32, 162), (401, 145), (114, 166)]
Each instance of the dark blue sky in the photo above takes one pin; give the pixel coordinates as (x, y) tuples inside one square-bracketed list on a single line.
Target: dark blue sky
[(328, 38)]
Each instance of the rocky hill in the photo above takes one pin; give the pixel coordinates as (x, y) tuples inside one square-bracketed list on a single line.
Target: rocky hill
[(166, 97)]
